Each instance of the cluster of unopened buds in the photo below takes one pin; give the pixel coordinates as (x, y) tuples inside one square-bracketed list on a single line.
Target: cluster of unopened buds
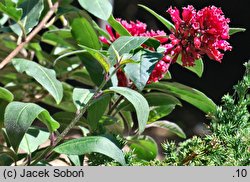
[(195, 33)]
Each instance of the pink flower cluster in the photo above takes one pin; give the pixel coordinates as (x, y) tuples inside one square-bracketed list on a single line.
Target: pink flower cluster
[(140, 29), (135, 29), (198, 33)]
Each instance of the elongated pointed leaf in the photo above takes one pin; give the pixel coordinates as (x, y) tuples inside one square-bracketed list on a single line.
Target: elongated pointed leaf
[(59, 37), (198, 68), (93, 67), (3, 105), (124, 45), (172, 127), (154, 100), (46, 77), (99, 57), (139, 102), (25, 113), (66, 104), (11, 10), (165, 22), (144, 147), (81, 76), (161, 99), (33, 139), (6, 95), (117, 26), (32, 10), (76, 160), (236, 30), (140, 71), (91, 144), (158, 112), (96, 111), (84, 33), (81, 97), (161, 105), (188, 94), (69, 54), (100, 8), (153, 43), (7, 151), (101, 32)]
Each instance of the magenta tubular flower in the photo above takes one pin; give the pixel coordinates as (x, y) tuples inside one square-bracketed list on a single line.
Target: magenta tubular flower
[(159, 71), (140, 29), (134, 28), (198, 33)]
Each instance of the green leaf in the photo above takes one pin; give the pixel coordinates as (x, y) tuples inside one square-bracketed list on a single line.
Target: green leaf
[(140, 71), (165, 22), (6, 95), (117, 26), (96, 111), (161, 99), (69, 54), (154, 99), (3, 105), (167, 76), (158, 112), (84, 33), (93, 67), (99, 57), (188, 94), (144, 147), (172, 127), (46, 77), (66, 104), (161, 105), (236, 30), (33, 139), (139, 102), (25, 113), (100, 8), (124, 45), (7, 151), (153, 43), (59, 37), (108, 120), (91, 144), (100, 31), (32, 10), (81, 97), (198, 68), (81, 76), (75, 160), (9, 8), (65, 119)]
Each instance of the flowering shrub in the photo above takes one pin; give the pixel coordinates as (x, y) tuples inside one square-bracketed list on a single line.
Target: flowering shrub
[(198, 33), (140, 29), (111, 85)]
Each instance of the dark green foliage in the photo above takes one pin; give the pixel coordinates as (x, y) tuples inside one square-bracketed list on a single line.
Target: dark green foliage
[(227, 145), (97, 159), (97, 89)]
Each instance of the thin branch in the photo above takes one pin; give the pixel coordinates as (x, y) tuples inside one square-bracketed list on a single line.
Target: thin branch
[(78, 116), (50, 3), (22, 29), (114, 106), (39, 27)]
